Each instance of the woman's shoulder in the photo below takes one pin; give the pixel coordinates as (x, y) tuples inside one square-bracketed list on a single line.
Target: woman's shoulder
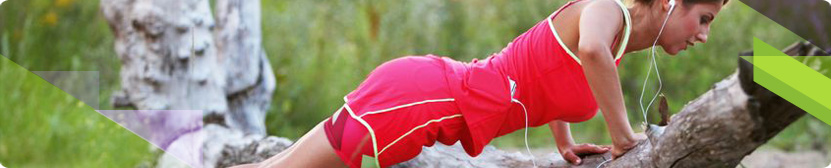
[(608, 14), (606, 6), (604, 21)]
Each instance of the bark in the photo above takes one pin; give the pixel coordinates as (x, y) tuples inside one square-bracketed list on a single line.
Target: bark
[(176, 56)]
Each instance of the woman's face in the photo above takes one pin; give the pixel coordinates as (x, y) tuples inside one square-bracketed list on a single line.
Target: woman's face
[(688, 24)]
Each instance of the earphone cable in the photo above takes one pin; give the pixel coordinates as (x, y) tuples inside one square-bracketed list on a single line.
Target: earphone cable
[(654, 64)]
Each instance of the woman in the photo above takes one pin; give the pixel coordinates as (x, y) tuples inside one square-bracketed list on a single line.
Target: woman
[(562, 70)]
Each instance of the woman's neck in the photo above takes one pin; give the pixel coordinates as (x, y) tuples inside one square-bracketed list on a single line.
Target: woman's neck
[(644, 30)]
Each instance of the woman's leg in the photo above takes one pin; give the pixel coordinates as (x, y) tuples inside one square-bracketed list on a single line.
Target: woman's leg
[(278, 156), (311, 150)]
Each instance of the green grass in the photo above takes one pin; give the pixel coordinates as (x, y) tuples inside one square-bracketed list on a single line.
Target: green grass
[(43, 126), (321, 50)]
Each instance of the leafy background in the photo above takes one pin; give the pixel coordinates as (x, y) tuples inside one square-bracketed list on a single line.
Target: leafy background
[(321, 50)]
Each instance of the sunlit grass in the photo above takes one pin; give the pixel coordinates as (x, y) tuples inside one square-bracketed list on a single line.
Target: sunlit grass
[(45, 127)]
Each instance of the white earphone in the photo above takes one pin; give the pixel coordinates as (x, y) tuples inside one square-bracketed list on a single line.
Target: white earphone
[(646, 80), (671, 7), (655, 65)]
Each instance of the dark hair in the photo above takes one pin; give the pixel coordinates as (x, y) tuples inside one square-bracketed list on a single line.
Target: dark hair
[(686, 2)]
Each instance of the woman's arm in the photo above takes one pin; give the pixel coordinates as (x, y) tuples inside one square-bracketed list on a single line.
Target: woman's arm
[(598, 27), (566, 146), (562, 134)]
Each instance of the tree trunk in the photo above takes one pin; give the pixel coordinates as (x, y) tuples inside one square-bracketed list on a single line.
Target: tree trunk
[(176, 57)]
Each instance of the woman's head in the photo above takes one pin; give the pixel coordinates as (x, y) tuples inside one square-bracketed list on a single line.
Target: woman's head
[(688, 24)]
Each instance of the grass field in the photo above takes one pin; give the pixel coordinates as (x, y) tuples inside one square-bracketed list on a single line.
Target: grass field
[(321, 50), (44, 127)]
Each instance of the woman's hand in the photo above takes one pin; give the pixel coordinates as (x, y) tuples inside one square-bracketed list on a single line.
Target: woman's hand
[(624, 146), (572, 153)]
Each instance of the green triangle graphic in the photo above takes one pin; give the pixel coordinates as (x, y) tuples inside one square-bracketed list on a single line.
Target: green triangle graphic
[(792, 80), (43, 126)]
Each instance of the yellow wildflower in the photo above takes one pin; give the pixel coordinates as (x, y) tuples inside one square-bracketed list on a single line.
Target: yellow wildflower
[(50, 18)]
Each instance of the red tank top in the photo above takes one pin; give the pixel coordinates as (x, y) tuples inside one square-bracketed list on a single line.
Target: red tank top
[(535, 69)]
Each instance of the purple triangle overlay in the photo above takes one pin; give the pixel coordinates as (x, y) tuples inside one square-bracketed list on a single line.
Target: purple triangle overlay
[(177, 132), (810, 19), (83, 85)]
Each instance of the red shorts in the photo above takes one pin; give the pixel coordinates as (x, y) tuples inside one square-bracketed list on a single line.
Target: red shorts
[(403, 105)]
